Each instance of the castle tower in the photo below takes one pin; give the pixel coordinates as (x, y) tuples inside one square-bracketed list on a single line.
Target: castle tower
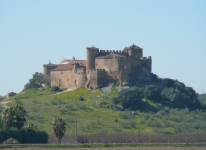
[(92, 53), (134, 51), (46, 71)]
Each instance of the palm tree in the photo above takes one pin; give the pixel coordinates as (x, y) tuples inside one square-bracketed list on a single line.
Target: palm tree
[(20, 114), (14, 117), (31, 126), (58, 127)]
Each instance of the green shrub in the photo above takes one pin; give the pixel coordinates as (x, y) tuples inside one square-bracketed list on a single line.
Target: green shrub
[(103, 131), (93, 123), (144, 117), (24, 135), (81, 98), (153, 123), (131, 97), (35, 101), (164, 131), (150, 92), (125, 124), (116, 129), (69, 106), (125, 115), (133, 124), (18, 102), (81, 105), (55, 88), (180, 128), (99, 121), (60, 101)]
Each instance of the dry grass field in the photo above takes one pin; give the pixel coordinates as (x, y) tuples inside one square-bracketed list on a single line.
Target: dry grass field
[(116, 148)]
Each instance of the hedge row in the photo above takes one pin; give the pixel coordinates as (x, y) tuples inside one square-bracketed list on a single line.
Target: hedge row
[(24, 135)]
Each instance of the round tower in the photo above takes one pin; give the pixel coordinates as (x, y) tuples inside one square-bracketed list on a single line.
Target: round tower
[(46, 71), (92, 53)]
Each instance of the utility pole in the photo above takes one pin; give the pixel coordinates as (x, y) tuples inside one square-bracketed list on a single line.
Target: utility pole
[(139, 132), (185, 127), (76, 128), (132, 129)]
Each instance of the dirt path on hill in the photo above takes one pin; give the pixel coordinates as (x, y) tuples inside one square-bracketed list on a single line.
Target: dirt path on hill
[(3, 104), (63, 91)]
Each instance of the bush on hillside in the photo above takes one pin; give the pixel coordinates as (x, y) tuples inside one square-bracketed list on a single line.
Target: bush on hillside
[(125, 115), (81, 105), (131, 97), (181, 97), (80, 98), (69, 106), (150, 92), (55, 88)]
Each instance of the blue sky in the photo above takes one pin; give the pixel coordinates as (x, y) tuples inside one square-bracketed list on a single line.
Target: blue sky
[(173, 32)]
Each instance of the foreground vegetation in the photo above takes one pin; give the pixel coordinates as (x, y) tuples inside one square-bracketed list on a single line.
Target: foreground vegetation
[(92, 110), (108, 116)]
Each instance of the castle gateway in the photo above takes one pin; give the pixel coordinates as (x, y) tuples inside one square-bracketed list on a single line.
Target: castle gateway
[(127, 67)]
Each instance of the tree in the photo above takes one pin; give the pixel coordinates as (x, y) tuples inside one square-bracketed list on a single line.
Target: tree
[(37, 81), (58, 128), (115, 101), (14, 117)]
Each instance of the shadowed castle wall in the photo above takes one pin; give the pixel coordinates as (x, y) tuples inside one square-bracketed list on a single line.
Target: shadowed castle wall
[(107, 64)]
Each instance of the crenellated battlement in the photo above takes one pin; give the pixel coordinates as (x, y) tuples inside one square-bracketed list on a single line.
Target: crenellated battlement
[(146, 58), (111, 51)]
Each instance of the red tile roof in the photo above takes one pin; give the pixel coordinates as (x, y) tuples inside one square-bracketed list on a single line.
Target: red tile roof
[(68, 65), (81, 62)]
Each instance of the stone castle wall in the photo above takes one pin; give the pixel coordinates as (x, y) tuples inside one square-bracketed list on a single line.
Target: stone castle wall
[(107, 64), (68, 79)]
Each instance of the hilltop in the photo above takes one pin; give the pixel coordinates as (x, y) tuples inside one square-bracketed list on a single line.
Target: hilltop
[(92, 109)]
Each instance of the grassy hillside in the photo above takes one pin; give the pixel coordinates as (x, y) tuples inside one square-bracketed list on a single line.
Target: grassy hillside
[(42, 106)]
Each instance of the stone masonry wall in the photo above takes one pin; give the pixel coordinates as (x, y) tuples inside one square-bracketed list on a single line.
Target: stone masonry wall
[(68, 79), (107, 64)]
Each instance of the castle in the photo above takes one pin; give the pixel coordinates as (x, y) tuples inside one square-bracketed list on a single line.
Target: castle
[(127, 67)]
